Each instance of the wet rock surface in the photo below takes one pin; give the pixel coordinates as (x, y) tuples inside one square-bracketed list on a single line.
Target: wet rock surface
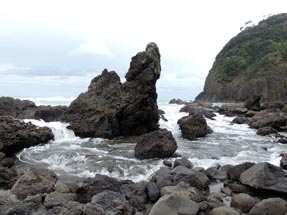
[(193, 126), (110, 109)]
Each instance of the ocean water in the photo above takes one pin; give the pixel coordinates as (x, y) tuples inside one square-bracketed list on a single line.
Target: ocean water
[(69, 155)]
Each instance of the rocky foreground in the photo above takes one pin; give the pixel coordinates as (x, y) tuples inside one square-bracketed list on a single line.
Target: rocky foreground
[(248, 188)]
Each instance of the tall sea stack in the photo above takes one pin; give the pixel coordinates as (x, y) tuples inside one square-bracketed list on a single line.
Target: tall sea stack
[(252, 63), (110, 109)]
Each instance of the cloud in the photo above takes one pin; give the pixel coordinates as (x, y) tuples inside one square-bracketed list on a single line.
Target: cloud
[(6, 67), (92, 48)]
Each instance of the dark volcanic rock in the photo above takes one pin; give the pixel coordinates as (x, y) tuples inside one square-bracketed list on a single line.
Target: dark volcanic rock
[(49, 113), (183, 162), (34, 182), (253, 103), (16, 135), (265, 176), (193, 126), (177, 101), (235, 171), (156, 144), (272, 119), (240, 120), (87, 189), (110, 109), (191, 109), (266, 131), (136, 194), (16, 108)]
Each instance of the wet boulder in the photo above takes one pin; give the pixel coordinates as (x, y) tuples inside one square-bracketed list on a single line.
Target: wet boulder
[(110, 108), (265, 176), (193, 126), (33, 182), (16, 135), (156, 144)]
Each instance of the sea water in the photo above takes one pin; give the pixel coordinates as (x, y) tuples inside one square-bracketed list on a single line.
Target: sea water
[(229, 143)]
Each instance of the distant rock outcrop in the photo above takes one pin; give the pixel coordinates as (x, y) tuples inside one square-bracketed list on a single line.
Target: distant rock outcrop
[(252, 63), (110, 109), (25, 109)]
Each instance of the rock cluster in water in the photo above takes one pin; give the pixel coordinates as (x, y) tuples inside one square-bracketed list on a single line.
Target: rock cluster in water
[(110, 109)]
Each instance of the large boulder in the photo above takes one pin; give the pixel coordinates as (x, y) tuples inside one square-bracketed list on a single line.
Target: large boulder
[(265, 176), (16, 135), (253, 103), (271, 206), (173, 204), (193, 126), (33, 182), (243, 201), (110, 109), (268, 119), (156, 144)]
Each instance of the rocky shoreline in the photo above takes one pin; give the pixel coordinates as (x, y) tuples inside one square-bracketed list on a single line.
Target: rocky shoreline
[(111, 109)]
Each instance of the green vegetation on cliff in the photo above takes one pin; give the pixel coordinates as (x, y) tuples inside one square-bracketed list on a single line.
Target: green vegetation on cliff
[(254, 51)]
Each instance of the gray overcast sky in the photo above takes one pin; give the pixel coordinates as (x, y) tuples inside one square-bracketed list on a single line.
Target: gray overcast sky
[(55, 47)]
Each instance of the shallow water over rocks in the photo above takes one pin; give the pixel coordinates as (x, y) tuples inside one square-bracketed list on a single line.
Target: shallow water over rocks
[(69, 155)]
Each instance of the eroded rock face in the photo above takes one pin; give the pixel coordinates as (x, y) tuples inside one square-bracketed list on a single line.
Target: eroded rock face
[(110, 109), (16, 135)]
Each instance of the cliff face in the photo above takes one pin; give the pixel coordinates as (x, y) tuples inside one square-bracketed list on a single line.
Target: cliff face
[(252, 63), (110, 108)]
